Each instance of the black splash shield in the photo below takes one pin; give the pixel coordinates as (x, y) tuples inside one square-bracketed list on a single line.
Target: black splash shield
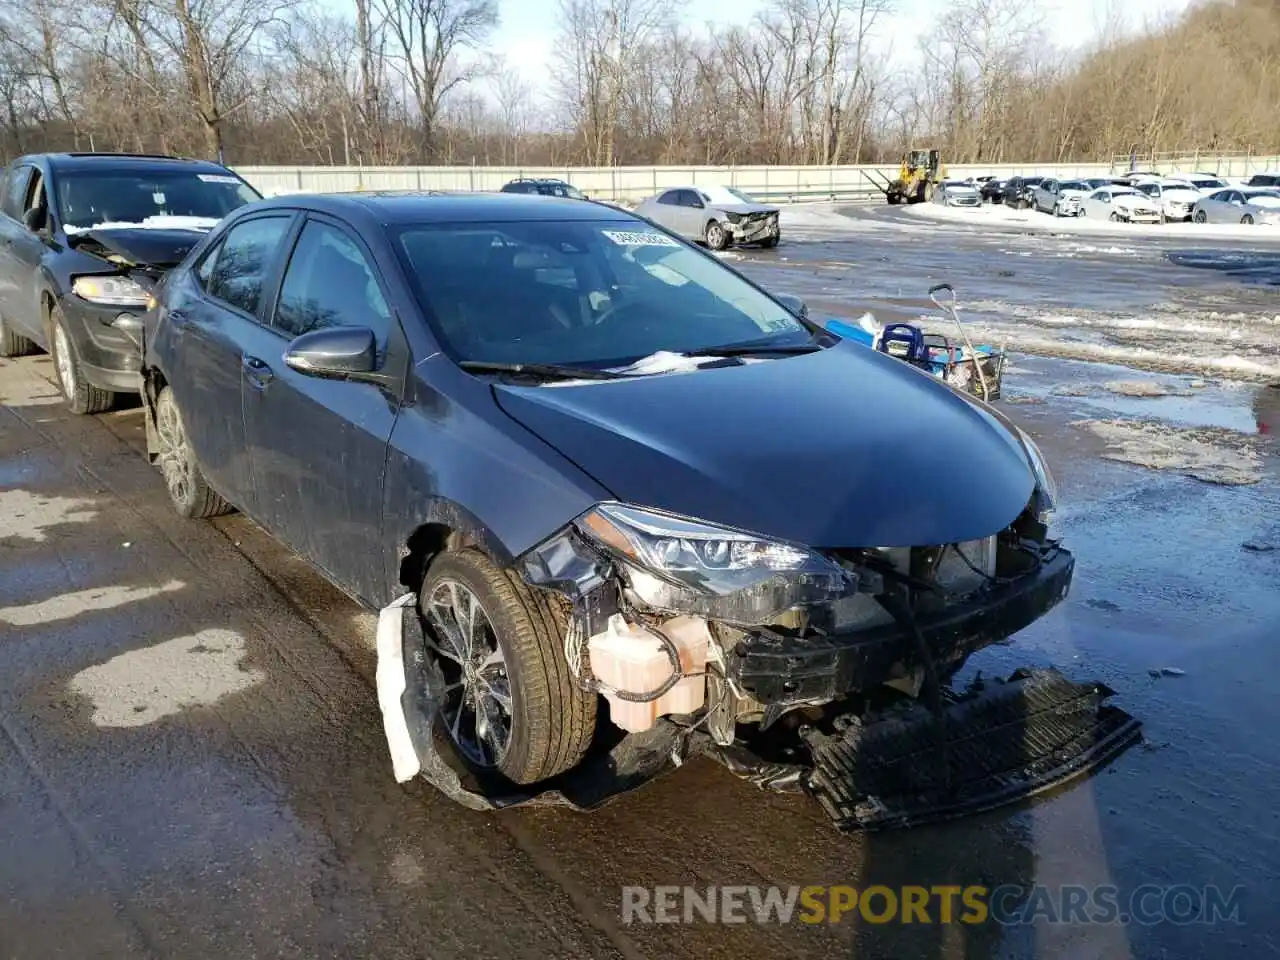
[(1004, 742)]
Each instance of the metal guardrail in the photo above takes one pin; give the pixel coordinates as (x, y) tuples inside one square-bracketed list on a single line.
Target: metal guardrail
[(632, 184)]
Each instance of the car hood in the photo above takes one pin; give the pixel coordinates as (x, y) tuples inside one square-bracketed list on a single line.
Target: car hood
[(1270, 203), (744, 207), (845, 447), (1078, 194), (960, 189), (138, 246), (1128, 200)]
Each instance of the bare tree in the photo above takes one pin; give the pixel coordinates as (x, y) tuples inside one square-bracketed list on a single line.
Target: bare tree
[(428, 39)]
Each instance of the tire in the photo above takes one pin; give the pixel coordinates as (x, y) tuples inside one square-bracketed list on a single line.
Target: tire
[(1201, 217), (1057, 210), (81, 397), (1247, 220), (550, 719), (768, 243), (716, 236), (188, 489), (14, 344), (1115, 217)]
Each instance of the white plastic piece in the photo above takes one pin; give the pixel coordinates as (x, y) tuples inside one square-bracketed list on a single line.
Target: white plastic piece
[(391, 684), (631, 658)]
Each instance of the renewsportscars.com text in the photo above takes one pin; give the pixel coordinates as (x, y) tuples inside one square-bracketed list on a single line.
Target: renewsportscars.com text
[(1009, 905)]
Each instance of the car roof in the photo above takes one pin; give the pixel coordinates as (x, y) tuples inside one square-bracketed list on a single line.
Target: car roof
[(123, 162), (401, 207)]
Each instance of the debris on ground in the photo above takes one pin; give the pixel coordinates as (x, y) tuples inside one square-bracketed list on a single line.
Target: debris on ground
[(1209, 454), (1168, 672)]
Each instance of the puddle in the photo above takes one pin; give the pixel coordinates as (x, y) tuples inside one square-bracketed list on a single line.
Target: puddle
[(142, 686)]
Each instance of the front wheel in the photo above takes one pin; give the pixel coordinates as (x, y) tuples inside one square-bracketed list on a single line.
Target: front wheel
[(188, 489), (1115, 217), (81, 397), (716, 236), (511, 703), (1247, 220), (1201, 217)]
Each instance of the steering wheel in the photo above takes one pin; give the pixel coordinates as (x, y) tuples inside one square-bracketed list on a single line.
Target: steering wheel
[(614, 311)]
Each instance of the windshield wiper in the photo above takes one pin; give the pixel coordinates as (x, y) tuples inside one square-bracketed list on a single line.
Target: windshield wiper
[(746, 349), (541, 371)]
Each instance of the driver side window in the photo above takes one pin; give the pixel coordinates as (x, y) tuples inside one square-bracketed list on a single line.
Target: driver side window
[(329, 283)]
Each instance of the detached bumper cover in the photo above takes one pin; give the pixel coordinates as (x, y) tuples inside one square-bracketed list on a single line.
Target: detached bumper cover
[(780, 669)]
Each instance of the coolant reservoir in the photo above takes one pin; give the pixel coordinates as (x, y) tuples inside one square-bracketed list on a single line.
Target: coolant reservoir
[(631, 658)]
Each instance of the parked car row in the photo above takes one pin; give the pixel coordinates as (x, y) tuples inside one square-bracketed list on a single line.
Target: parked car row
[(541, 420), (1135, 197)]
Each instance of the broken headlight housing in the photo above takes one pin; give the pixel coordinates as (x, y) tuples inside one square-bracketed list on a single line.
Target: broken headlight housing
[(110, 291), (1046, 487), (683, 565)]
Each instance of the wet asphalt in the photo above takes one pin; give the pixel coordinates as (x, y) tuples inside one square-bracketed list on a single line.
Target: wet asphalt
[(191, 753)]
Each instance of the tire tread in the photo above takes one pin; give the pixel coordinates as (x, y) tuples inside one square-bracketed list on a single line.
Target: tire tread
[(559, 716)]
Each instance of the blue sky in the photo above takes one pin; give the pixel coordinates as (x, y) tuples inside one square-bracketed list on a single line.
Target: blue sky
[(528, 28)]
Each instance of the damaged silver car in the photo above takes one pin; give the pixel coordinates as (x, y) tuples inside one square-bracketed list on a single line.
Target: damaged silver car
[(618, 504)]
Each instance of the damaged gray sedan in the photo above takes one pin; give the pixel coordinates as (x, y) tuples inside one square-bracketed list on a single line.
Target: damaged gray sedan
[(619, 506)]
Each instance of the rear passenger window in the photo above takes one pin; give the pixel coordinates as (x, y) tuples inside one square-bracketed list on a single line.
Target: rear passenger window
[(237, 270), (329, 283)]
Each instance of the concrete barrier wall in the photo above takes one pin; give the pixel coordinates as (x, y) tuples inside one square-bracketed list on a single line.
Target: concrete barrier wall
[(780, 184)]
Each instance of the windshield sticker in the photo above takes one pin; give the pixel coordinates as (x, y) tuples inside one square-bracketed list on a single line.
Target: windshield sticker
[(216, 178), (158, 199), (639, 239)]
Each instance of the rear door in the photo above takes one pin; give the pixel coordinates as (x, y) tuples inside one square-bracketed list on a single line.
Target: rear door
[(319, 445), (211, 322), (17, 185)]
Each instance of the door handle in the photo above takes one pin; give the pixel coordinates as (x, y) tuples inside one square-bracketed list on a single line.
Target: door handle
[(256, 371)]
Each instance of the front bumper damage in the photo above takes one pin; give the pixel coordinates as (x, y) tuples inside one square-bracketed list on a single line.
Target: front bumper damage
[(753, 227), (863, 720)]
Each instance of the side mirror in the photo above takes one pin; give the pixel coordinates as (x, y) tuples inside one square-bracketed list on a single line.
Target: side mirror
[(334, 352), (35, 219), (793, 303)]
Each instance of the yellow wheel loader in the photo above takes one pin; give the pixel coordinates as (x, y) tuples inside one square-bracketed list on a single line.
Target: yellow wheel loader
[(918, 178)]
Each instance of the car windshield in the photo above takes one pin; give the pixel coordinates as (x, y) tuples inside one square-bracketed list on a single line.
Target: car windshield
[(88, 198), (1149, 188), (581, 293), (1075, 185), (1033, 181), (1123, 192), (1097, 182), (724, 195)]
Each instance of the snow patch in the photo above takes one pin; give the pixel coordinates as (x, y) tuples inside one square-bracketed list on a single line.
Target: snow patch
[(1209, 454), (27, 516), (82, 601), (142, 686)]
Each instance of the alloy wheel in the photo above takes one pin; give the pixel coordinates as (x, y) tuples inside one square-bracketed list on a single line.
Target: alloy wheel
[(477, 707), (63, 361), (173, 452)]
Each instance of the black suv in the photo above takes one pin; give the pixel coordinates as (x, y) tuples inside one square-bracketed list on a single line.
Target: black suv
[(1018, 190), (1264, 180), (548, 187), (84, 238)]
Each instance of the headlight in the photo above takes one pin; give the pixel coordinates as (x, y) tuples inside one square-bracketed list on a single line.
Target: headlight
[(1046, 486), (110, 291), (683, 565), (732, 217)]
